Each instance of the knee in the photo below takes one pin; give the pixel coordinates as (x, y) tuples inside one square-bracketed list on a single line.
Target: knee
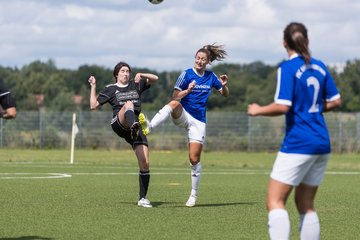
[(304, 206), (174, 104), (274, 203), (129, 105), (194, 159), (270, 205)]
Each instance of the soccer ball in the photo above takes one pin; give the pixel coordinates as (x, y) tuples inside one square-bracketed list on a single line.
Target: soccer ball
[(156, 1)]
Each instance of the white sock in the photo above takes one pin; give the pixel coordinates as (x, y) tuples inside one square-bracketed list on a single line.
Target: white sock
[(279, 224), (195, 177), (161, 116), (309, 226)]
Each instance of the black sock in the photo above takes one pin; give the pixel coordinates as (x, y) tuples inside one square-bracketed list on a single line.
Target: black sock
[(144, 179), (129, 117)]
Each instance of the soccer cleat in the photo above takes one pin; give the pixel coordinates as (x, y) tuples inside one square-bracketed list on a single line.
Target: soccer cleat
[(135, 130), (145, 124), (144, 203), (191, 201)]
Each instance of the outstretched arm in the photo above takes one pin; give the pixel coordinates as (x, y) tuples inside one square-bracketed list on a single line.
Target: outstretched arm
[(150, 78), (273, 109)]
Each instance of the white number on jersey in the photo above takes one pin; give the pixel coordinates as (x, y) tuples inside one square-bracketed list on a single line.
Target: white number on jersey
[(312, 81)]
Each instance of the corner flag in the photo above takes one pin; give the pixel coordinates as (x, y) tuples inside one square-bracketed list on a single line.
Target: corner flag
[(74, 132)]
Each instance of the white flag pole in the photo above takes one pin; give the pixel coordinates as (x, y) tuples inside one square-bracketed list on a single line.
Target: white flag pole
[(73, 134)]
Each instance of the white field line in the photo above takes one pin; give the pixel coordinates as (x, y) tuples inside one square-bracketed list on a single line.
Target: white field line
[(34, 175), (170, 172), (232, 172)]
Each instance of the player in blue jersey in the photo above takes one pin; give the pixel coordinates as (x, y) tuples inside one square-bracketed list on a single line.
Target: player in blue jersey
[(305, 89), (7, 103), (124, 96), (188, 107)]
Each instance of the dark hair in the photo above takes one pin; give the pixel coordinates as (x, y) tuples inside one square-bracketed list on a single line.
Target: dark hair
[(214, 52), (296, 38), (118, 67)]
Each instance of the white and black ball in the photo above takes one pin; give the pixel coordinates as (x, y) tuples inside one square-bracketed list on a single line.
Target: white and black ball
[(156, 1)]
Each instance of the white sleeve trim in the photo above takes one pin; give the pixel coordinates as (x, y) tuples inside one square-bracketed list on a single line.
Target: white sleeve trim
[(283, 102), (278, 82), (4, 93), (333, 98)]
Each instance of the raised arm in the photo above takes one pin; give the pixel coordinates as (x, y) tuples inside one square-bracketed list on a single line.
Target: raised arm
[(93, 101), (224, 81), (151, 78)]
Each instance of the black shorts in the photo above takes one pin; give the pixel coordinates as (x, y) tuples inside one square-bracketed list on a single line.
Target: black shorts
[(125, 133)]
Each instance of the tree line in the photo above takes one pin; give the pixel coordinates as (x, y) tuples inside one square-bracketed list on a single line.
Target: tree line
[(41, 85)]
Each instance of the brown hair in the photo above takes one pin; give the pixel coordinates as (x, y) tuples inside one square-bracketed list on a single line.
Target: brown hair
[(118, 67), (296, 38), (214, 52)]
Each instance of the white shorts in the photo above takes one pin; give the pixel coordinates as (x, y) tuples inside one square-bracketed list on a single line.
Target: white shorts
[(195, 128), (294, 169)]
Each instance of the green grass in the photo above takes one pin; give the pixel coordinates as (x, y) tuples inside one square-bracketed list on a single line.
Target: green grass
[(99, 200)]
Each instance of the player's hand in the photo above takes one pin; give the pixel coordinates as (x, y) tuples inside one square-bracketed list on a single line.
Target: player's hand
[(224, 79), (137, 78), (92, 81), (191, 86), (253, 109)]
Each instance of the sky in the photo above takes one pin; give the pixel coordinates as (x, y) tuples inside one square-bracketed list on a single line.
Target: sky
[(166, 36)]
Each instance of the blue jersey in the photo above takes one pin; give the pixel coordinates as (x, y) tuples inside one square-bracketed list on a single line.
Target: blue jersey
[(304, 88), (195, 102)]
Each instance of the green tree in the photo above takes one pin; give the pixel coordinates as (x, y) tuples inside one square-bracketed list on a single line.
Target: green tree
[(349, 86), (253, 82)]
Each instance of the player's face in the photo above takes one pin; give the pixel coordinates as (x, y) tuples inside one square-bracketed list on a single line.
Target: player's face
[(201, 60), (123, 75)]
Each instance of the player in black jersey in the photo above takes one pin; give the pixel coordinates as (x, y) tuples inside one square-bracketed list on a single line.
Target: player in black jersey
[(124, 97), (7, 103)]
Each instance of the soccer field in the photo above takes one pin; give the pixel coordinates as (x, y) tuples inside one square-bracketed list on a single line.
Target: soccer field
[(45, 197)]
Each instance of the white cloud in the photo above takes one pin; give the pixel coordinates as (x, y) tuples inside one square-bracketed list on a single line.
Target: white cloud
[(37, 29), (78, 12), (166, 36)]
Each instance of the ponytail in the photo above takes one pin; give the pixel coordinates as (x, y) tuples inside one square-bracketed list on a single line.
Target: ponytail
[(214, 52), (295, 35)]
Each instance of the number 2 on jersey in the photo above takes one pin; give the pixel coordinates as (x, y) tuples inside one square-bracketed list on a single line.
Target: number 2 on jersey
[(312, 81)]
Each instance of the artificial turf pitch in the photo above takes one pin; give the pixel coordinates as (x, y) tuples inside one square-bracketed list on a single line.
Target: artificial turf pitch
[(45, 197)]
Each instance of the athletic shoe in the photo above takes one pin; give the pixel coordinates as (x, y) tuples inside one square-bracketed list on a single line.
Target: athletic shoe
[(191, 201), (144, 203), (135, 130), (145, 124)]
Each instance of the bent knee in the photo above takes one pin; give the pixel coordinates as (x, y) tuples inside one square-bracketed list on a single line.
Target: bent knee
[(174, 104), (129, 104)]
